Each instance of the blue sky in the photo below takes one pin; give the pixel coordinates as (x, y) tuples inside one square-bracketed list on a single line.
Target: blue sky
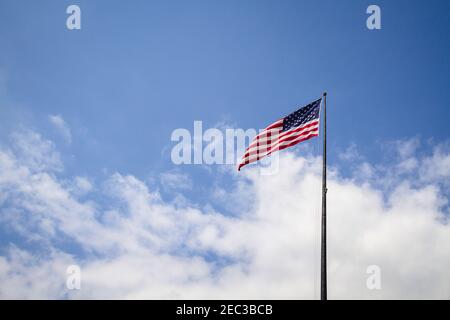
[(137, 71)]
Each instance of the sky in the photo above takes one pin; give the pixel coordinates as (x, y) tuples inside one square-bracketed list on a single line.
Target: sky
[(87, 178)]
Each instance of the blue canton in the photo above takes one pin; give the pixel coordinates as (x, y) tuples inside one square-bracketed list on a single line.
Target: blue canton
[(302, 116)]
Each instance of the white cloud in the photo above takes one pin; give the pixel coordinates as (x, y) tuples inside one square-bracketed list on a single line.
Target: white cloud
[(407, 165), (140, 246), (58, 122), (437, 166), (406, 150), (24, 276), (407, 147), (34, 153), (365, 171), (350, 154), (175, 180), (82, 185)]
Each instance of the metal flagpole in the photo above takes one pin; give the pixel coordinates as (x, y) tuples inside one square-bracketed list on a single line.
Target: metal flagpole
[(323, 255)]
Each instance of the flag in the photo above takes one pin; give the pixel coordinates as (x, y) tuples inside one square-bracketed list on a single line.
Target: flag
[(299, 126)]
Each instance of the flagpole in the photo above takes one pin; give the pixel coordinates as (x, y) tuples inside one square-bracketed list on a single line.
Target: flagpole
[(323, 253)]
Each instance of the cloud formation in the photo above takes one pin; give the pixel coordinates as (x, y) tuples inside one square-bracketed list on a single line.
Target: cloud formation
[(58, 122), (136, 244)]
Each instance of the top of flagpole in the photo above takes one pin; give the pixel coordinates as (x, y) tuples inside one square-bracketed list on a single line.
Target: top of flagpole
[(324, 94)]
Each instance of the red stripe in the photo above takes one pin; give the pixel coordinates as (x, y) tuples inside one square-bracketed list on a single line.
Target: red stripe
[(276, 124), (290, 137), (309, 136), (287, 136), (268, 129), (284, 133), (275, 145), (299, 128), (260, 155)]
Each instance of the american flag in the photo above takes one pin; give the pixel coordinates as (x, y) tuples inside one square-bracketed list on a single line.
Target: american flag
[(299, 126)]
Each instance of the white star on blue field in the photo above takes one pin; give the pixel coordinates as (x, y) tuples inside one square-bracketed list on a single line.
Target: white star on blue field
[(86, 176)]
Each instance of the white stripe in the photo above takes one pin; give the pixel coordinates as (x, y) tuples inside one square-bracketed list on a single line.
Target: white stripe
[(254, 157), (277, 132), (275, 139)]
